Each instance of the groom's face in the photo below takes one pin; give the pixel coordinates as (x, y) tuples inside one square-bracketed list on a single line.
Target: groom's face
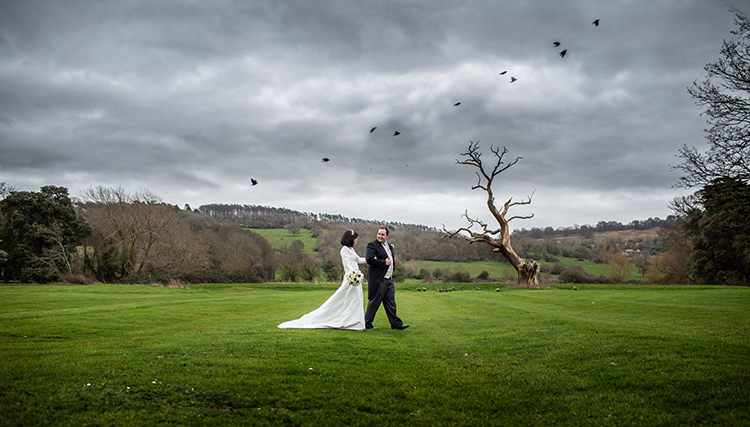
[(382, 236)]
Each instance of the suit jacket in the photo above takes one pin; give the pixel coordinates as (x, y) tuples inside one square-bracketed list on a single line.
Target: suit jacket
[(376, 267)]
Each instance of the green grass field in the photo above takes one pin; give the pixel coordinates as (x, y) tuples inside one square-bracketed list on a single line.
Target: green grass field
[(280, 237), (212, 355), (500, 270)]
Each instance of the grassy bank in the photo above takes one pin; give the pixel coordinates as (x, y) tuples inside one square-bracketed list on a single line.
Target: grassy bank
[(280, 238), (211, 355)]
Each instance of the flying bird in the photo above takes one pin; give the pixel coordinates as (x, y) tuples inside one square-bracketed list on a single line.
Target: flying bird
[(503, 73), (397, 133), (253, 181), (456, 104), (596, 23), (556, 44), (512, 79), (373, 129), (562, 54), (326, 160)]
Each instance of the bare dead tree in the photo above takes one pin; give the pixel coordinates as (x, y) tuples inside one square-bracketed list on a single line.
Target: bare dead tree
[(724, 95), (528, 271)]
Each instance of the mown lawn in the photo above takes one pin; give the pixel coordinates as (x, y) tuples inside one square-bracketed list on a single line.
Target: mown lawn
[(212, 355)]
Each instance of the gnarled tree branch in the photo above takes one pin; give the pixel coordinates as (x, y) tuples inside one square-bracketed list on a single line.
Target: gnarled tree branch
[(528, 271)]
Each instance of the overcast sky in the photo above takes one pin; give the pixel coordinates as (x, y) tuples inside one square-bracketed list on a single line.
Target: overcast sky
[(193, 100)]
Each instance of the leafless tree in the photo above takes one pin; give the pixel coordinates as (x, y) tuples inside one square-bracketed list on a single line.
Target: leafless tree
[(133, 221), (724, 95), (616, 263), (5, 189), (528, 271)]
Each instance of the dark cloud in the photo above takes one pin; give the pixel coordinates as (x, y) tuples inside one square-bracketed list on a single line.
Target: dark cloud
[(192, 101)]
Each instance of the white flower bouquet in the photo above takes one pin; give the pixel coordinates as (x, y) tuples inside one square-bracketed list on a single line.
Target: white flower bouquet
[(354, 278)]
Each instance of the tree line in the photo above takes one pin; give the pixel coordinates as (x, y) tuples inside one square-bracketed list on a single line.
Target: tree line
[(117, 236), (600, 227), (113, 235)]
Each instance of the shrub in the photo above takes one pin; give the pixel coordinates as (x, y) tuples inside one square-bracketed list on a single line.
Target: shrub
[(289, 273), (458, 277), (574, 274), (556, 268), (77, 278), (411, 272), (484, 275), (399, 273), (583, 253), (440, 273)]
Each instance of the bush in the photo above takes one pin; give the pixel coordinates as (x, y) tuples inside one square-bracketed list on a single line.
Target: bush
[(289, 273), (574, 274), (440, 273), (399, 272), (425, 276), (411, 272), (458, 277), (556, 268), (332, 271), (77, 278), (483, 275), (602, 279), (583, 252)]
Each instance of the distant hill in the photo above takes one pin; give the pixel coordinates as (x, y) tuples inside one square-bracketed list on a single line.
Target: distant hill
[(586, 231), (254, 216), (419, 242)]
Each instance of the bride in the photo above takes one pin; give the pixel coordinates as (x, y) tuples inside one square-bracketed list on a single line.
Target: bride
[(345, 308)]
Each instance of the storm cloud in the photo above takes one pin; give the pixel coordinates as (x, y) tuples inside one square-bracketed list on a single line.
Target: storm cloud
[(192, 100)]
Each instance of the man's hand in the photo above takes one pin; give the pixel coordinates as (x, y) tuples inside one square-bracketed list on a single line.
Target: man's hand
[(387, 261)]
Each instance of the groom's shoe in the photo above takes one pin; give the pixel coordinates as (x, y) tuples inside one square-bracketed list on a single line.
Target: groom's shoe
[(401, 328), (373, 328)]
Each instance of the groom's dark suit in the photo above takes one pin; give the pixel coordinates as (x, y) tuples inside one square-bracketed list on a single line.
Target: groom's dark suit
[(379, 289)]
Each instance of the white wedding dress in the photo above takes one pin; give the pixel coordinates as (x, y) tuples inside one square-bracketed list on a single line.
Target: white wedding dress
[(344, 309)]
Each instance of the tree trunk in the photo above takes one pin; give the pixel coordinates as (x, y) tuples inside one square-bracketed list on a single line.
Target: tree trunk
[(528, 273)]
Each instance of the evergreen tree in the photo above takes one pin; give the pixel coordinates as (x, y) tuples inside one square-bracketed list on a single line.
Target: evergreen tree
[(721, 232), (40, 232)]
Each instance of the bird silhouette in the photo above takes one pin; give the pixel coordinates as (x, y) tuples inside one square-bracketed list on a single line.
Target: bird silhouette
[(596, 23), (326, 160), (373, 129), (512, 79), (397, 133), (562, 54), (556, 44), (456, 104), (253, 181), (503, 73)]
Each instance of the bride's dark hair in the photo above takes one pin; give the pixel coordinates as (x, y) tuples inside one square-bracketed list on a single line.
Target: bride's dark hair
[(348, 238)]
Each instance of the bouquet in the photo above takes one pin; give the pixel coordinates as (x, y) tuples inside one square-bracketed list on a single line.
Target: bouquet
[(354, 278)]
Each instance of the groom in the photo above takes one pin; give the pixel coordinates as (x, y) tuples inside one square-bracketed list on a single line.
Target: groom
[(380, 287)]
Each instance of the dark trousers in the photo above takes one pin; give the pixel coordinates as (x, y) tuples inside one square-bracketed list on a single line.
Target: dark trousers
[(385, 294)]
